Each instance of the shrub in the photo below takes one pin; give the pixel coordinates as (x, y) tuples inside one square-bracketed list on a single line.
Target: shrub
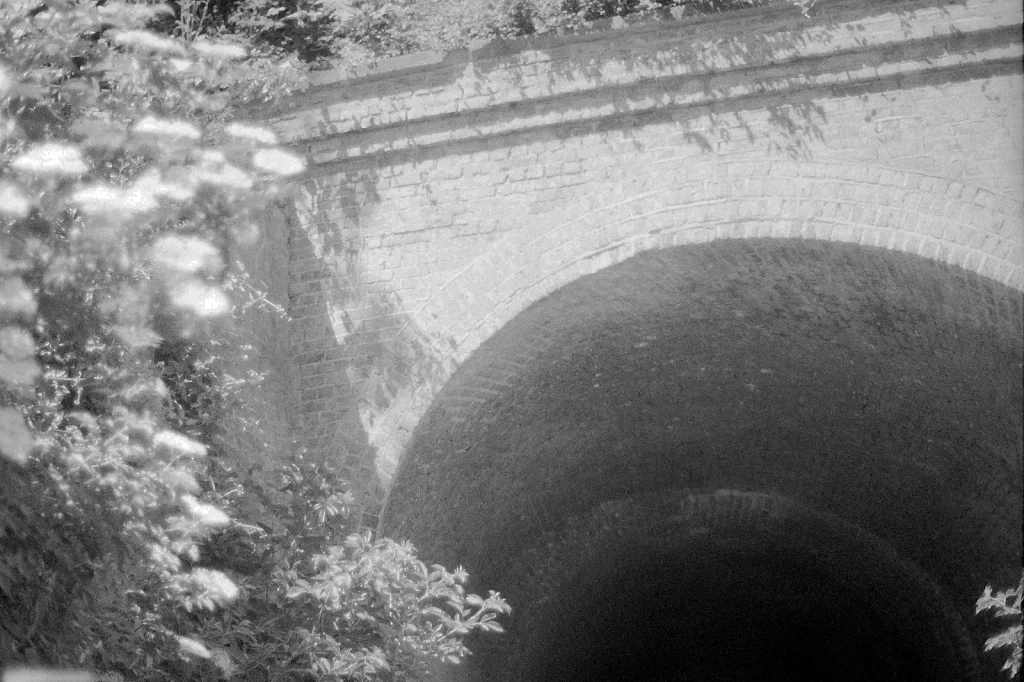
[(123, 189), (114, 153), (322, 602)]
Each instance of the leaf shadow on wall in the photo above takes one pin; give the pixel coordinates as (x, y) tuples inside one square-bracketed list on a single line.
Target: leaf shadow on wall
[(357, 354)]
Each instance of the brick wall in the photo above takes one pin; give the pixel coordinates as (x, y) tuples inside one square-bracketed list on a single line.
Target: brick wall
[(449, 192)]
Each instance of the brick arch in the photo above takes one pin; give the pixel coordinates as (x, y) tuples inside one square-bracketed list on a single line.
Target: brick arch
[(959, 224), (962, 225), (876, 386)]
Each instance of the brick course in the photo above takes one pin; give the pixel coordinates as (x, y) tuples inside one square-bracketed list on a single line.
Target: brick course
[(447, 194)]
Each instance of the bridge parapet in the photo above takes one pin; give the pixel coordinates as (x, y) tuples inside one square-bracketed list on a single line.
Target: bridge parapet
[(420, 102)]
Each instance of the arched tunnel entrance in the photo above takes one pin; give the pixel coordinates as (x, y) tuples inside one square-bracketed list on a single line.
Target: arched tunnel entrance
[(734, 585), (738, 460)]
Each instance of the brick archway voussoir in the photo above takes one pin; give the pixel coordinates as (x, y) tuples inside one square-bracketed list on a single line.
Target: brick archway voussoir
[(954, 223)]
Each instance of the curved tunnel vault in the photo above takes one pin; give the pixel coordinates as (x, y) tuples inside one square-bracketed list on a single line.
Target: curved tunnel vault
[(858, 412)]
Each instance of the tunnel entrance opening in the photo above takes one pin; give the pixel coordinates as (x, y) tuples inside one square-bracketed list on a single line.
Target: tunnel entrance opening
[(878, 388), (750, 587), (734, 615)]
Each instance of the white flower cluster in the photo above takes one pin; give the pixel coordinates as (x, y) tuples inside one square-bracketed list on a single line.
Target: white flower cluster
[(204, 300), (206, 514), (151, 125), (247, 132), (107, 200), (147, 40), (186, 255), (278, 161), (13, 203), (172, 444), (212, 50), (50, 158)]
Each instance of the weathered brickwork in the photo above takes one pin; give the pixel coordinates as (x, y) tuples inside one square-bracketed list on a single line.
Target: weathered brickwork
[(446, 194)]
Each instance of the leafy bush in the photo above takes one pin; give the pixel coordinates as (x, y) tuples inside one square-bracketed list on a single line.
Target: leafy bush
[(305, 28), (122, 187), (1006, 604), (328, 33), (321, 602), (123, 190)]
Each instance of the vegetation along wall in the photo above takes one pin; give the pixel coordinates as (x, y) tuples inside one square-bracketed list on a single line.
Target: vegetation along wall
[(700, 340)]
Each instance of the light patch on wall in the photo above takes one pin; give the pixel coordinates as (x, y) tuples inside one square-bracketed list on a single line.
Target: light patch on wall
[(383, 427), (340, 323)]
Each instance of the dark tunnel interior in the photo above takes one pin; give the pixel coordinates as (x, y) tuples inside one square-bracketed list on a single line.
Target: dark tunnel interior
[(851, 418), (712, 620), (799, 597), (706, 623)]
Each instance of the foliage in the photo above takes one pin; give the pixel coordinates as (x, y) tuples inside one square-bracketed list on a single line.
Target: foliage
[(1005, 604), (123, 190), (320, 602), (315, 601), (122, 187), (328, 33), (305, 28), (524, 17)]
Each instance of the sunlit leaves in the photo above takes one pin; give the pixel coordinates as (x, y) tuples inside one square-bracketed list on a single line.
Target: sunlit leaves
[(337, 604), (414, 612), (1006, 604), (204, 588), (103, 127), (329, 506), (222, 660), (123, 189), (192, 647)]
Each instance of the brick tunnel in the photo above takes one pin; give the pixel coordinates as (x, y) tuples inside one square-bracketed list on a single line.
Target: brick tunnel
[(777, 458), (746, 459)]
